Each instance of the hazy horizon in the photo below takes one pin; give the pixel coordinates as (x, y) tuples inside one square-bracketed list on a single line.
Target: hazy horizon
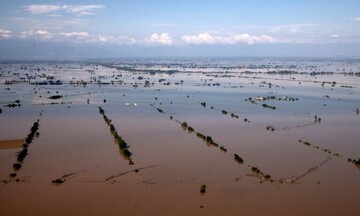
[(109, 29)]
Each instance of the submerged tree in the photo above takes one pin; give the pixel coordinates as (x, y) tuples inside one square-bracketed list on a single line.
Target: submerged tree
[(238, 158)]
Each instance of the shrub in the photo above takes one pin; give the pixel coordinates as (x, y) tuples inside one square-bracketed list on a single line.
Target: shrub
[(184, 125), (202, 189), (190, 129), (16, 166), (126, 153), (222, 148), (238, 158)]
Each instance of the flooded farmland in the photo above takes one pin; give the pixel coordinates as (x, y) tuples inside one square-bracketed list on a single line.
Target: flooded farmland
[(180, 137)]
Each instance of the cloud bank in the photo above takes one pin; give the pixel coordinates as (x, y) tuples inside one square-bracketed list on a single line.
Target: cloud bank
[(162, 39), (75, 34), (206, 38), (4, 33), (39, 34), (80, 10)]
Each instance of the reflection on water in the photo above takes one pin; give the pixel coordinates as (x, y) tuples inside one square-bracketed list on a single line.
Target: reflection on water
[(292, 163)]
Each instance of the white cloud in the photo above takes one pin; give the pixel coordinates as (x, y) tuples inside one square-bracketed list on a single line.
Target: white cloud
[(82, 9), (355, 19), (162, 39), (252, 39), (105, 39), (109, 39), (74, 9), (334, 36), (26, 34), (77, 37), (42, 34), (4, 33), (41, 9), (75, 34), (206, 38)]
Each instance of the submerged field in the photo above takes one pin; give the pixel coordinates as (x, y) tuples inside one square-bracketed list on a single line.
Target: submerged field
[(180, 138)]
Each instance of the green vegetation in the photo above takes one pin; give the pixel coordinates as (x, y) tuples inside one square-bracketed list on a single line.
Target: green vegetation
[(233, 115), (121, 143), (203, 189), (184, 125), (268, 106), (270, 128), (255, 170), (58, 181), (207, 139), (126, 152), (210, 141), (16, 166), (200, 135), (112, 128), (307, 143), (262, 176), (324, 150), (222, 148), (190, 129), (24, 152), (238, 158), (55, 97), (12, 105), (101, 111), (354, 161), (317, 119)]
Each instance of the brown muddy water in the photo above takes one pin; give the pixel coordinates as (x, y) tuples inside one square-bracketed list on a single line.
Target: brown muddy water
[(292, 163)]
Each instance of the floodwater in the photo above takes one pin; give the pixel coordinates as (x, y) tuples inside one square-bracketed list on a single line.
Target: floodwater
[(303, 160)]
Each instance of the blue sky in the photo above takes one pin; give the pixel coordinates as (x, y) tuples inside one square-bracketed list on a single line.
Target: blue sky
[(166, 27)]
